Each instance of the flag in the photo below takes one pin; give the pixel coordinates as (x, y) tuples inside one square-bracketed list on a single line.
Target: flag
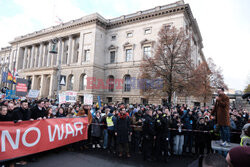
[(58, 20), (10, 78), (4, 76)]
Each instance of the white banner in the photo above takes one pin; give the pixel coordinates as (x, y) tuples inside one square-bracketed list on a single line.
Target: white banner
[(33, 94), (70, 96), (88, 99), (62, 98)]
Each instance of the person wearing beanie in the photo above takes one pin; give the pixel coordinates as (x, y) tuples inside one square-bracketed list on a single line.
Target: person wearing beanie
[(239, 157)]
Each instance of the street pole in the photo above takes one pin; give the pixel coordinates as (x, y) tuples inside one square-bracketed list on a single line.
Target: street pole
[(58, 75), (54, 51)]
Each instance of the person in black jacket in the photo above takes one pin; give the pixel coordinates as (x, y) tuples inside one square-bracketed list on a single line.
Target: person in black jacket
[(166, 121), (122, 130), (22, 113), (38, 112), (148, 135), (4, 114)]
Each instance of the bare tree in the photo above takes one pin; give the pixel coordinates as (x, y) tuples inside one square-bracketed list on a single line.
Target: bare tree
[(207, 78), (172, 63)]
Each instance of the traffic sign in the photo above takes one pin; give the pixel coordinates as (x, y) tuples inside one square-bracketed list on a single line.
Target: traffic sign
[(62, 80)]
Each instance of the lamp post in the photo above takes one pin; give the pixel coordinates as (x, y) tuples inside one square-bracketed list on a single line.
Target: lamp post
[(54, 52)]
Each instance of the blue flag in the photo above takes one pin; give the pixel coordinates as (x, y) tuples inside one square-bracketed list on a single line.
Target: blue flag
[(99, 101), (4, 76)]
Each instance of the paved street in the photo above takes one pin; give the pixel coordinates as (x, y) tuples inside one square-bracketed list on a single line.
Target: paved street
[(99, 158)]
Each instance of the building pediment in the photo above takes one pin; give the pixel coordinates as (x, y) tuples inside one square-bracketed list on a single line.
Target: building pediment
[(147, 42), (112, 47), (128, 45)]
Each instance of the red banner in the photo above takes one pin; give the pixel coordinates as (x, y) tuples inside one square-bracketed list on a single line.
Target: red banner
[(29, 137)]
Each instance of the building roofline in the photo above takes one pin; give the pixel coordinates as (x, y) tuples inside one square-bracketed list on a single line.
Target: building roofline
[(96, 18)]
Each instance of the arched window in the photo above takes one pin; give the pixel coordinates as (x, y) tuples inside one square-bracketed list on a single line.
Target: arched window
[(83, 82), (70, 82), (127, 83), (111, 80)]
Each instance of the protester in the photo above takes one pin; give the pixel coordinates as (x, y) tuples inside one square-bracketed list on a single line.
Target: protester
[(49, 113), (221, 110), (122, 130), (22, 113), (3, 114), (96, 130), (38, 112)]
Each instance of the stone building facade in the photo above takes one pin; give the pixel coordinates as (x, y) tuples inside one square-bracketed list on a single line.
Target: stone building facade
[(101, 49)]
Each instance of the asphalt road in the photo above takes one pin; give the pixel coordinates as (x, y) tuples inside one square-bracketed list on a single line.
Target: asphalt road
[(100, 158)]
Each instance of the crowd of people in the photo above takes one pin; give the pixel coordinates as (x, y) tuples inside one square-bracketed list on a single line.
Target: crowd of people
[(157, 132)]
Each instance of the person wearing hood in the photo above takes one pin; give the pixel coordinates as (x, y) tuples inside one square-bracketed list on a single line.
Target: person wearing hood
[(111, 121)]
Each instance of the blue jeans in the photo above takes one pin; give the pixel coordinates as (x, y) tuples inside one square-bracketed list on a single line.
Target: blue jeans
[(225, 133), (178, 144), (105, 138)]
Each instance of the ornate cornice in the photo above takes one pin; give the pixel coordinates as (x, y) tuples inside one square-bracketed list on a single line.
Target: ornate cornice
[(157, 12)]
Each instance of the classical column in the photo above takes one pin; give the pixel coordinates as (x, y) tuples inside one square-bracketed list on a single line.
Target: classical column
[(49, 55), (73, 50), (28, 58), (25, 57), (36, 56), (10, 61), (44, 63), (59, 52), (33, 82), (32, 56), (18, 58), (42, 86), (80, 48), (69, 49), (40, 55), (53, 83), (63, 60)]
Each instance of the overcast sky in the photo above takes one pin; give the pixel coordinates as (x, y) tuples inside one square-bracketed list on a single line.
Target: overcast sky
[(224, 25)]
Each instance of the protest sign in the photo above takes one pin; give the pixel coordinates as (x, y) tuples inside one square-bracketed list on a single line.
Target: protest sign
[(88, 99)]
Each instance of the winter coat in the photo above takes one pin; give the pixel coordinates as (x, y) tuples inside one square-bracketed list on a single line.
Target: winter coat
[(189, 121), (96, 129), (221, 110), (4, 118), (148, 127), (135, 121), (122, 128), (21, 114), (37, 113)]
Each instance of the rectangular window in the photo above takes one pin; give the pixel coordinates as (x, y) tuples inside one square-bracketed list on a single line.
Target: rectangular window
[(129, 34), (147, 31), (109, 99), (125, 100), (112, 56), (128, 55), (113, 37), (86, 55), (147, 51)]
